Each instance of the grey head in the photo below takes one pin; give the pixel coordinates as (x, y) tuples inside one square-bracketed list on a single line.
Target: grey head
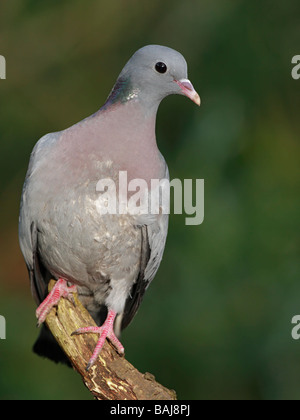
[(151, 74)]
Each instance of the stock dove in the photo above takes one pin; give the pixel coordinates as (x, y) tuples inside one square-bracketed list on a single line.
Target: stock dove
[(109, 259)]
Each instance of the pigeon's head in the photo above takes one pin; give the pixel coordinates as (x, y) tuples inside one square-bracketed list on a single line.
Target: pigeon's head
[(151, 74)]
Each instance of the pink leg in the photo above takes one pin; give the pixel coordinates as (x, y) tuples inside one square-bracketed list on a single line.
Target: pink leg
[(105, 331), (60, 289)]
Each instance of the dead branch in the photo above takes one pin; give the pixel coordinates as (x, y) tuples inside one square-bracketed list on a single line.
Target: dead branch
[(112, 377)]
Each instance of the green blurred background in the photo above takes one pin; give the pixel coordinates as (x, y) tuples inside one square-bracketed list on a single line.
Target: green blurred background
[(216, 322)]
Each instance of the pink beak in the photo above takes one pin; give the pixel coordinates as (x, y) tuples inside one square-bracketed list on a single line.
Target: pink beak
[(188, 90)]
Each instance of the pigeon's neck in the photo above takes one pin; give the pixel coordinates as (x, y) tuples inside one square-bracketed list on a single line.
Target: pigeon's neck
[(124, 91)]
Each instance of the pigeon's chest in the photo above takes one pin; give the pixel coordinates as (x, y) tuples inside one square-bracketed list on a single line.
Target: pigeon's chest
[(76, 173), (127, 142)]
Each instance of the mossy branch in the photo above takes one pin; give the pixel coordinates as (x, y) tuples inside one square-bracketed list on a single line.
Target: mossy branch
[(112, 377)]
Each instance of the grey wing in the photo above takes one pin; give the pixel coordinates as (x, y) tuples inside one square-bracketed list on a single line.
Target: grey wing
[(157, 235), (28, 231), (153, 242), (39, 276)]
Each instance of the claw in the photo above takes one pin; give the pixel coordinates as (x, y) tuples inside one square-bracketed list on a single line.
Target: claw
[(105, 331), (60, 289)]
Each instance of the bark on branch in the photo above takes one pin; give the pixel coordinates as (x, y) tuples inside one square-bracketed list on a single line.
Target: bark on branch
[(112, 377)]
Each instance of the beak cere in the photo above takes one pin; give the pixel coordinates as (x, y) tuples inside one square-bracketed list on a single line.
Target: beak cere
[(188, 90)]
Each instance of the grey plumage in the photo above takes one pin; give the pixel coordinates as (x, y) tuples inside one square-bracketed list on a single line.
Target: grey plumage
[(111, 258)]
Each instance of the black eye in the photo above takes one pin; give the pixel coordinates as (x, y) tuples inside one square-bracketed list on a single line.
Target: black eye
[(160, 67)]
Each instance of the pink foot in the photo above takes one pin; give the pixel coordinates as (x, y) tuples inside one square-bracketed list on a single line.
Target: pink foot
[(60, 289), (105, 331)]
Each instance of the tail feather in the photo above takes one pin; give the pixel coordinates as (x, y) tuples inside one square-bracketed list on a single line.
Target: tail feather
[(47, 346)]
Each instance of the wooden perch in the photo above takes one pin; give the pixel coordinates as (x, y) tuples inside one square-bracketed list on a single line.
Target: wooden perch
[(112, 377)]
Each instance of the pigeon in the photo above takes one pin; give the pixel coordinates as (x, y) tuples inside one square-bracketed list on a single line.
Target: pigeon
[(109, 259)]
